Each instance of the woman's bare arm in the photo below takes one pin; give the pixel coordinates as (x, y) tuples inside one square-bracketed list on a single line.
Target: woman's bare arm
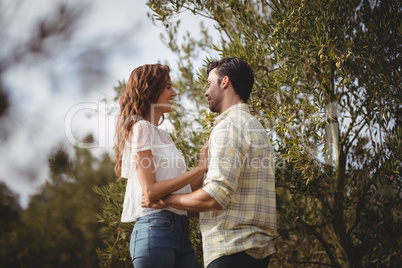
[(156, 190)]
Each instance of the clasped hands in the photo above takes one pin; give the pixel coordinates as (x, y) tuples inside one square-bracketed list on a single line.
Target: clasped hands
[(147, 203)]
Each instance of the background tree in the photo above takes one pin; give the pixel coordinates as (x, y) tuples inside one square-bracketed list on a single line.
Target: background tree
[(59, 228), (10, 217), (336, 82), (328, 76)]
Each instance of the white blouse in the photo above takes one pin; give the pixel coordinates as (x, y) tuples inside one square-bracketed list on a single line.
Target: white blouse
[(168, 163)]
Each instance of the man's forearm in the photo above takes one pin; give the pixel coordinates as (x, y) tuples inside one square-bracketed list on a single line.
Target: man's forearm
[(198, 201)]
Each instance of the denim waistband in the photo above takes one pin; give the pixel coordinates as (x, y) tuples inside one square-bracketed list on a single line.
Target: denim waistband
[(168, 214)]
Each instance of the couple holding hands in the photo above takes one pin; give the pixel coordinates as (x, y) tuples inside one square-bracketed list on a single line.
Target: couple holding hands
[(232, 187)]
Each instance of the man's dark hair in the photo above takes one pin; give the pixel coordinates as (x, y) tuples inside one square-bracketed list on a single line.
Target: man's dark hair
[(239, 72)]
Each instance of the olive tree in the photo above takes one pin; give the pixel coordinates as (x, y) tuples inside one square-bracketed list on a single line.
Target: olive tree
[(327, 89)]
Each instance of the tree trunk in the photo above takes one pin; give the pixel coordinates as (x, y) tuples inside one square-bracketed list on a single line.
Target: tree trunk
[(353, 258)]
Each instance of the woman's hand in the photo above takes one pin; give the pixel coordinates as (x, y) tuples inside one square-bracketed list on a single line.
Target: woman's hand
[(146, 203), (203, 161)]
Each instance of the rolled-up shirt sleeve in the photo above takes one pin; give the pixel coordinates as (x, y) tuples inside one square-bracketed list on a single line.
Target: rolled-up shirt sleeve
[(224, 166)]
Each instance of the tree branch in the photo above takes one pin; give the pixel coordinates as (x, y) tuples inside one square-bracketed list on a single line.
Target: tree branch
[(324, 244), (356, 135)]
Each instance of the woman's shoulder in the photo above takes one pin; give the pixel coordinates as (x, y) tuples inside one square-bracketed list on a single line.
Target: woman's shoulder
[(143, 126), (143, 123)]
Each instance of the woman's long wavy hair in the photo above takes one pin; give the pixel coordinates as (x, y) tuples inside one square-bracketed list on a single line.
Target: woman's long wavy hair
[(143, 88)]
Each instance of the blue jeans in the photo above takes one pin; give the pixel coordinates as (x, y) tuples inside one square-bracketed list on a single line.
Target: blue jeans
[(161, 239)]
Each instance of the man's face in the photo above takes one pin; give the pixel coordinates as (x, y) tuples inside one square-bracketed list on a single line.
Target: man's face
[(214, 93)]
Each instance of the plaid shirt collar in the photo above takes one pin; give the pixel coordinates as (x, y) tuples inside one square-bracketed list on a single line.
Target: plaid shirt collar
[(238, 106)]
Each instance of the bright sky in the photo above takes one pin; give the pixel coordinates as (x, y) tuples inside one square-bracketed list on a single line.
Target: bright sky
[(46, 98)]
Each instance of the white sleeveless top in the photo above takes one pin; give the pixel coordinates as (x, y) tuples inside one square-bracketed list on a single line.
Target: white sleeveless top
[(168, 162)]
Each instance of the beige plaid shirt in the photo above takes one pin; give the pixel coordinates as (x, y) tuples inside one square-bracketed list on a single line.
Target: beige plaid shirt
[(241, 178)]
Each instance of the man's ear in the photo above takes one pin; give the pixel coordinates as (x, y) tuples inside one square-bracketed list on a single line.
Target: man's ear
[(225, 82)]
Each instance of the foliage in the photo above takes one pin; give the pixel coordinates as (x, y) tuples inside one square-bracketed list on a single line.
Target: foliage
[(115, 234), (59, 228), (10, 216), (345, 120)]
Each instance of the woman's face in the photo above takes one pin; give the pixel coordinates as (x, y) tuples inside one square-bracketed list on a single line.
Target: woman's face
[(165, 100)]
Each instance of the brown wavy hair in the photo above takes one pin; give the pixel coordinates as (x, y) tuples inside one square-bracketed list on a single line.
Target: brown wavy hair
[(143, 88)]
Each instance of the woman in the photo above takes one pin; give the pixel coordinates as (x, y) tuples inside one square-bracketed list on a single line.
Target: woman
[(154, 167)]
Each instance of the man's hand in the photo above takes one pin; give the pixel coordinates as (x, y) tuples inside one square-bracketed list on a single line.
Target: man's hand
[(203, 161), (146, 203)]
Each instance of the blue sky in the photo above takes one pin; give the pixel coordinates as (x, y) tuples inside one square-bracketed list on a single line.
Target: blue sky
[(48, 96)]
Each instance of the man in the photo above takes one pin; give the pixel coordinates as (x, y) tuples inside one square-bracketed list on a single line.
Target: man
[(237, 200)]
